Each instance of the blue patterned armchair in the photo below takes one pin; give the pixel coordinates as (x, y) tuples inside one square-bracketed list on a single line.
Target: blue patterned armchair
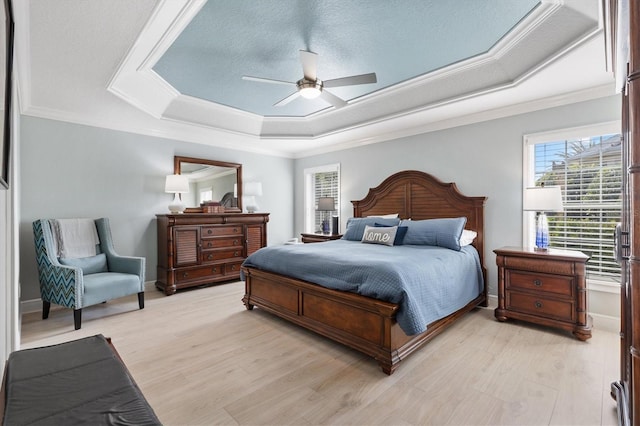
[(85, 281)]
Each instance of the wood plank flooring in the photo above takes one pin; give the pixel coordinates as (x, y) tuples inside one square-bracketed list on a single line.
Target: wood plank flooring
[(202, 359)]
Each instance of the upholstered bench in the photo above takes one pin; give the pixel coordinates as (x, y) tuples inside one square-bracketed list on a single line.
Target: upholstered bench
[(79, 382)]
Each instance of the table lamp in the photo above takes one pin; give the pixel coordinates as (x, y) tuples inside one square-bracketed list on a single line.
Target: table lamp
[(326, 204), (176, 184), (251, 191), (542, 199)]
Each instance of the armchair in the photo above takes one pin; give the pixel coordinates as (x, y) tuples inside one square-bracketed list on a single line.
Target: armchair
[(85, 281)]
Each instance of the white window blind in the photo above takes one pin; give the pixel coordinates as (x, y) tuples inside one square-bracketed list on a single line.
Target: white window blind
[(323, 181), (589, 172)]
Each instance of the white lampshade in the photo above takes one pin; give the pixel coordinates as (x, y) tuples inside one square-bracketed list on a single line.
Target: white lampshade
[(326, 204), (252, 189), (176, 184), (543, 199)]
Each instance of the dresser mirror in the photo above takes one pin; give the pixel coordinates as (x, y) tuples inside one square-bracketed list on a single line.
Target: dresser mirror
[(210, 180)]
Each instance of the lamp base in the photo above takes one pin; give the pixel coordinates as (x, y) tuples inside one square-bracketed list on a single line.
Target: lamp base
[(543, 249), (542, 233), (176, 206)]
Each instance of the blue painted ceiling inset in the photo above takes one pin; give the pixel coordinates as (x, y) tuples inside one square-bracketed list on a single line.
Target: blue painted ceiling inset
[(398, 40)]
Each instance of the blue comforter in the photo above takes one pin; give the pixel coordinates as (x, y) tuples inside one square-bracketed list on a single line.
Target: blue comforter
[(427, 282)]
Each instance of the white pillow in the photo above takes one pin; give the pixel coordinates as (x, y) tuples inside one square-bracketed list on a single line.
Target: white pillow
[(379, 235), (467, 237), (386, 216)]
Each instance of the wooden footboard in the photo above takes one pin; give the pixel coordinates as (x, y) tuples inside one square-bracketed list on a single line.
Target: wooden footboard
[(362, 323)]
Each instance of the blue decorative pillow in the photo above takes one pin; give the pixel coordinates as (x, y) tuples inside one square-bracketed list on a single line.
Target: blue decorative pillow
[(89, 265), (435, 232), (356, 225), (402, 231), (384, 235)]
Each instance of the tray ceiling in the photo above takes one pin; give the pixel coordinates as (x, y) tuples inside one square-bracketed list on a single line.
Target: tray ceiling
[(179, 65)]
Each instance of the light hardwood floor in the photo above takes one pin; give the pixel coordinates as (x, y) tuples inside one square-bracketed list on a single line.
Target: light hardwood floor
[(201, 358)]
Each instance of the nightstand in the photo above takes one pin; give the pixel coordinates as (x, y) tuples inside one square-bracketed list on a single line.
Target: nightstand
[(544, 287), (319, 238)]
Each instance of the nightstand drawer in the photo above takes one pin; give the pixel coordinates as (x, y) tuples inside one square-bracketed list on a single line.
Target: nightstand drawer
[(556, 284), (541, 306)]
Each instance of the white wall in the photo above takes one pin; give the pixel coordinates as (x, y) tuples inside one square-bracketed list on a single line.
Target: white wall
[(483, 159), (70, 170)]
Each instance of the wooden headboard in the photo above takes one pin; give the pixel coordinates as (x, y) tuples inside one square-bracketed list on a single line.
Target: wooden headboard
[(417, 195)]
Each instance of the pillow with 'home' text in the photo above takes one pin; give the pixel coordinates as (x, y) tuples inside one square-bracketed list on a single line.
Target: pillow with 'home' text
[(356, 225), (379, 235)]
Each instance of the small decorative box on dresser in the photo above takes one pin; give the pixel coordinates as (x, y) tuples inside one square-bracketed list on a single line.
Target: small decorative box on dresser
[(318, 238), (202, 248), (544, 287)]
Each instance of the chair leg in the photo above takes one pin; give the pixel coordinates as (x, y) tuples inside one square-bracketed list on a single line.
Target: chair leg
[(46, 306), (77, 318), (141, 299)]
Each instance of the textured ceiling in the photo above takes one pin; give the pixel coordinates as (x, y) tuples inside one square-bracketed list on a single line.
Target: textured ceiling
[(398, 40)]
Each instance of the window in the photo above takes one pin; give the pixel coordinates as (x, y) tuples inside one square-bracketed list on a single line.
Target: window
[(206, 194), (322, 181), (587, 165)]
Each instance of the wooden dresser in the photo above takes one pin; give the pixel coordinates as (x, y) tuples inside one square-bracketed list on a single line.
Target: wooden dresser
[(201, 248), (546, 288)]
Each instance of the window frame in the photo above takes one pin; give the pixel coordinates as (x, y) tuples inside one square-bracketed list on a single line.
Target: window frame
[(309, 194), (528, 177)]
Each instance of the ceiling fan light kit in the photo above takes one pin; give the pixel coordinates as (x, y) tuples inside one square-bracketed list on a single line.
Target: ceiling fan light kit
[(311, 87)]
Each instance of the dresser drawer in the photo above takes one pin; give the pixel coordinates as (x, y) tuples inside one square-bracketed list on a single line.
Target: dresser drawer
[(219, 231), (212, 255), (541, 306), (556, 284), (232, 268), (211, 243), (192, 274)]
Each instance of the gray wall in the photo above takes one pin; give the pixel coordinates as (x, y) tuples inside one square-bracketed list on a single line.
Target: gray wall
[(70, 170), (484, 159)]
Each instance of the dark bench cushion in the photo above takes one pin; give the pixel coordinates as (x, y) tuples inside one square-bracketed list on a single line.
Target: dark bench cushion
[(78, 382)]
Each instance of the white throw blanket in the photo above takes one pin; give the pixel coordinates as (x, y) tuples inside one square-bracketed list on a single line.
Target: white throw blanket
[(75, 237)]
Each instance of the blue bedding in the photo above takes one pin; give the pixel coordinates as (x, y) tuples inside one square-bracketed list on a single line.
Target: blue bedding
[(427, 282)]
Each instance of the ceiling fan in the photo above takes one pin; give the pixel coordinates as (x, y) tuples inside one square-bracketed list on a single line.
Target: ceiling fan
[(310, 86)]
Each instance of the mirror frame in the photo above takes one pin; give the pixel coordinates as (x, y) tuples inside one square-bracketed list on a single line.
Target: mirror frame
[(176, 170)]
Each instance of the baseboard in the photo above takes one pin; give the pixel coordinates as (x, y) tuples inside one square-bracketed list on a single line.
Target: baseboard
[(35, 305)]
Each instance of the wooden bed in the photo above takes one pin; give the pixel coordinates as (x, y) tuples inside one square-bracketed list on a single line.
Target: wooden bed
[(362, 323)]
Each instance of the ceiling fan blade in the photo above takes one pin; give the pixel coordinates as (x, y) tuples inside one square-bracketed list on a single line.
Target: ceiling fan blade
[(309, 65), (266, 80), (351, 80), (288, 99), (333, 99)]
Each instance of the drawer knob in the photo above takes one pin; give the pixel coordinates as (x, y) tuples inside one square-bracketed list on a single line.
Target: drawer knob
[(210, 257), (235, 242), (214, 270), (210, 244), (209, 231), (236, 254), (537, 283), (185, 274), (233, 267), (235, 230), (538, 304)]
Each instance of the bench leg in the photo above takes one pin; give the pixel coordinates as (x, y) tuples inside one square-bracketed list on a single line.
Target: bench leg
[(46, 306), (77, 318), (141, 299)]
